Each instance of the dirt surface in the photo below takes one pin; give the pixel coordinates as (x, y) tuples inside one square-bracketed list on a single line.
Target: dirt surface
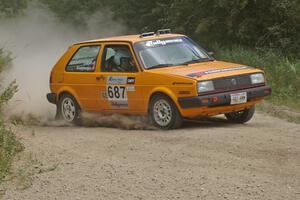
[(203, 160)]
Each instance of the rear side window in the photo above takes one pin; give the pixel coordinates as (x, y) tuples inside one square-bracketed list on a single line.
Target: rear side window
[(84, 60)]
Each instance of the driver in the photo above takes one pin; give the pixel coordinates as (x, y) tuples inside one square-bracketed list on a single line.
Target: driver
[(122, 61)]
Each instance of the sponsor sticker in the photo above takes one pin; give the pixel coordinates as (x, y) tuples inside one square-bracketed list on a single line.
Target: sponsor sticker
[(118, 104), (131, 80), (117, 96), (116, 92), (152, 43), (215, 71), (130, 88), (117, 80)]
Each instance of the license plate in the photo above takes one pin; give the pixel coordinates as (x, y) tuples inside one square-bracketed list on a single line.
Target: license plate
[(238, 98)]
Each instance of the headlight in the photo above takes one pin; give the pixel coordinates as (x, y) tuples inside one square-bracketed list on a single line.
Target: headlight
[(257, 78), (205, 86)]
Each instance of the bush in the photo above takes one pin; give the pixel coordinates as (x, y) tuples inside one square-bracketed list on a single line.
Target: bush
[(9, 145)]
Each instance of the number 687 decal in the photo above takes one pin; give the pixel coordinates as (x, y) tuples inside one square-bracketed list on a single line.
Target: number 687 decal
[(115, 92)]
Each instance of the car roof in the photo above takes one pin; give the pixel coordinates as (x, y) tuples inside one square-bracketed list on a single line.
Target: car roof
[(130, 38)]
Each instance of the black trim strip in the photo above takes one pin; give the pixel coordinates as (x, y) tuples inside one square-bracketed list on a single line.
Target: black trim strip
[(222, 98), (51, 97)]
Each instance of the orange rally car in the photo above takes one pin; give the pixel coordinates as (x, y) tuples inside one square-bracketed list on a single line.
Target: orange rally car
[(164, 75)]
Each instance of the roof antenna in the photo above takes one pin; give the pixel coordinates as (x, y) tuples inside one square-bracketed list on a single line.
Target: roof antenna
[(147, 34), (163, 31)]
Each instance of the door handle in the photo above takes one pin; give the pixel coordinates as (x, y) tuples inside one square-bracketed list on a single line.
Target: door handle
[(100, 77)]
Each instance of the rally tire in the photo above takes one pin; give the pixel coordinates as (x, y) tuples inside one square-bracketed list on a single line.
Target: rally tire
[(164, 113), (68, 109), (241, 117)]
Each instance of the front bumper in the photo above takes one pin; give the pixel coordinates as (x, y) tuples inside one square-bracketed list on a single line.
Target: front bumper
[(220, 99), (51, 97)]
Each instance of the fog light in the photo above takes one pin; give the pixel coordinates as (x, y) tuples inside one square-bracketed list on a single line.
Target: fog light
[(214, 99)]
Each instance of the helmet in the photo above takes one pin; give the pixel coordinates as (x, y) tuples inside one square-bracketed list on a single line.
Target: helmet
[(121, 53)]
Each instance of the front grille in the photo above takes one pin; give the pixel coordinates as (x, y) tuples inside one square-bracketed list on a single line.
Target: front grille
[(232, 82)]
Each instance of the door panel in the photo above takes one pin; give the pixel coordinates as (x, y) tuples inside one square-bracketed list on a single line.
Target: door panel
[(84, 84), (120, 80), (81, 75)]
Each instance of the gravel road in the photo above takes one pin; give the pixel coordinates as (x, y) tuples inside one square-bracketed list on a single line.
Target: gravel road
[(203, 160)]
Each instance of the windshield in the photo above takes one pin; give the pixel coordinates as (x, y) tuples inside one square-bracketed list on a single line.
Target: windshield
[(169, 52)]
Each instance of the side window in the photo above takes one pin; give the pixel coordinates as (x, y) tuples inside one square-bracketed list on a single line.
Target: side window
[(117, 58), (84, 60)]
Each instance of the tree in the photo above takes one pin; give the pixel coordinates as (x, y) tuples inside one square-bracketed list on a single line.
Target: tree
[(11, 8)]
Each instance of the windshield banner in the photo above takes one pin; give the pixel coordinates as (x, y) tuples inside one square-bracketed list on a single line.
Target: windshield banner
[(153, 43), (215, 71)]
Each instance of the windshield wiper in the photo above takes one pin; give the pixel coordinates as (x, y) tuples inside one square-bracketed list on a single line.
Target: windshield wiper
[(160, 66), (196, 61)]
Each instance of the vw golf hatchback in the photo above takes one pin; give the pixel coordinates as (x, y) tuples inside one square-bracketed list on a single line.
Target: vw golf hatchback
[(166, 76)]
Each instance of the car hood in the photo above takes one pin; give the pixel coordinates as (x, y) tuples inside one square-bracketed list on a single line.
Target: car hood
[(207, 70)]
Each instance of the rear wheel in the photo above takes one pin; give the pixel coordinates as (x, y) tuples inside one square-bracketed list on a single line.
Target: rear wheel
[(164, 113), (68, 109), (242, 116)]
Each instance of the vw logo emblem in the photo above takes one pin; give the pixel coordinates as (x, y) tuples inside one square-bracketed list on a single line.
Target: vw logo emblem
[(233, 81)]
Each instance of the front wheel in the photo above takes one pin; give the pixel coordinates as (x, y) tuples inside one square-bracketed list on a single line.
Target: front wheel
[(68, 109), (242, 116), (164, 113)]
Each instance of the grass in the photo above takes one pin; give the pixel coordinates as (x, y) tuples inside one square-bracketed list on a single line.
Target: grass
[(9, 146), (283, 73), (281, 112), (5, 60)]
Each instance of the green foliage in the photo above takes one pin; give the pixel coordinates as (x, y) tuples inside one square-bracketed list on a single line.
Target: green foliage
[(11, 8), (283, 73), (5, 60), (271, 23), (9, 145), (142, 15), (8, 93), (74, 11)]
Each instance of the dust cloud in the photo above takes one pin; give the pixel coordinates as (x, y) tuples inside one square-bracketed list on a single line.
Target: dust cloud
[(117, 121), (37, 40)]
